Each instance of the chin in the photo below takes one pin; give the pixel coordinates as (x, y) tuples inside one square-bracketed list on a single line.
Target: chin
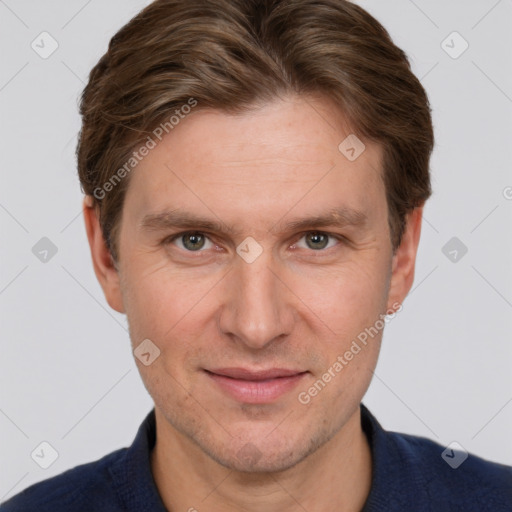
[(267, 457)]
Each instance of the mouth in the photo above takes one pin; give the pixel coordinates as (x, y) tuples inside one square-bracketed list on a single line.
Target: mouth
[(255, 386)]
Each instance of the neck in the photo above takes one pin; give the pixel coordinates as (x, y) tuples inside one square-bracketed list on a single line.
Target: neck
[(335, 477)]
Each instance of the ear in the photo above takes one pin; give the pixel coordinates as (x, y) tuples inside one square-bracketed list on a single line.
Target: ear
[(104, 268), (404, 260)]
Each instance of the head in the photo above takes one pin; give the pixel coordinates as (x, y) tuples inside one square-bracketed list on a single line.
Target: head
[(220, 120)]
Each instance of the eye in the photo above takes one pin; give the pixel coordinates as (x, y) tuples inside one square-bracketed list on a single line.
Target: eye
[(191, 241), (318, 241), (196, 241)]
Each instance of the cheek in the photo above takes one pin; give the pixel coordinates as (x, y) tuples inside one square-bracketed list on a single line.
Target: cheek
[(165, 302), (347, 299), (161, 301)]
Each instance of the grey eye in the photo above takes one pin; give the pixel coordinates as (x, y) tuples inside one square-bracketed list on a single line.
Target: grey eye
[(318, 241), (193, 241)]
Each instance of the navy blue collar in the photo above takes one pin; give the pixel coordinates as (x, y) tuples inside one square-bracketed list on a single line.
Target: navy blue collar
[(131, 474), (393, 476), (397, 480)]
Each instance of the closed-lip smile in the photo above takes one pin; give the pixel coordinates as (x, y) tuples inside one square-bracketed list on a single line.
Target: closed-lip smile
[(255, 386)]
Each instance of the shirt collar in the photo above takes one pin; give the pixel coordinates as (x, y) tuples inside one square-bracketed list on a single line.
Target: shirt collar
[(132, 475), (397, 479), (394, 479)]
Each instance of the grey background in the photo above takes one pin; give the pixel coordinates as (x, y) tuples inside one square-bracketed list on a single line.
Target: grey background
[(66, 369)]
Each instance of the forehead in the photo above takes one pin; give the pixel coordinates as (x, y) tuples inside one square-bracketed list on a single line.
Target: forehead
[(291, 151)]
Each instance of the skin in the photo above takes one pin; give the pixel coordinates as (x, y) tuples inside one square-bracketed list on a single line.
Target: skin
[(299, 305)]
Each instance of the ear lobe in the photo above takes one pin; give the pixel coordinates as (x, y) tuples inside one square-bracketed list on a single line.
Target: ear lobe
[(404, 259), (104, 268)]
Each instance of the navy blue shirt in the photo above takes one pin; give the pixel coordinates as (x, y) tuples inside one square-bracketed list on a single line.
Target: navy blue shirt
[(409, 474)]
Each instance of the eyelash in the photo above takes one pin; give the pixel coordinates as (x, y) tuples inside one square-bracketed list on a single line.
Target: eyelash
[(169, 240)]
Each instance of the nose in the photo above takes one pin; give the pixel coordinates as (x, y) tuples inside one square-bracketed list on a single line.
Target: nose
[(258, 306)]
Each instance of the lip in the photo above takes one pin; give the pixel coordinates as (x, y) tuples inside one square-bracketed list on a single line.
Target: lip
[(246, 374), (255, 386)]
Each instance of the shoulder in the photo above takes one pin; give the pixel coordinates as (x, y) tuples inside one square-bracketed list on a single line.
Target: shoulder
[(84, 488), (415, 473), (453, 477)]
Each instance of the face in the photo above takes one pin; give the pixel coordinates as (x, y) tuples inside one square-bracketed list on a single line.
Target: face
[(252, 299)]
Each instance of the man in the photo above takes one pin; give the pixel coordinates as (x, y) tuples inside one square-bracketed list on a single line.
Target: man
[(255, 174)]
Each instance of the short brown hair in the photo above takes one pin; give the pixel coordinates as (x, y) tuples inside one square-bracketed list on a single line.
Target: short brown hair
[(232, 55)]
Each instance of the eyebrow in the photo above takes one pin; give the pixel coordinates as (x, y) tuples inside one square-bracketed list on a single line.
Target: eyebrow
[(335, 217)]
